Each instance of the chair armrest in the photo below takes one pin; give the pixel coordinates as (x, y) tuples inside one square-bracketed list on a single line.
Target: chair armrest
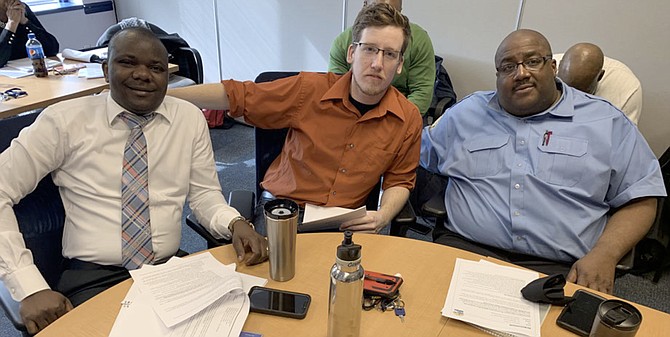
[(243, 201), (435, 206), (627, 261), (200, 229), (11, 308), (403, 220)]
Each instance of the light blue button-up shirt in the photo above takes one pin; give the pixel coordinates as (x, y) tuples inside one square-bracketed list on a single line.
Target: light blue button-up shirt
[(540, 185)]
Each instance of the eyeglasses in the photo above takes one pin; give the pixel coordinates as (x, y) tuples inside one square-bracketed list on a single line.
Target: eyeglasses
[(531, 64), (370, 50), (12, 93)]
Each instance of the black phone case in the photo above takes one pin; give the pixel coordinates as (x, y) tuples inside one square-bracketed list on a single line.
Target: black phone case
[(278, 312), (578, 315)]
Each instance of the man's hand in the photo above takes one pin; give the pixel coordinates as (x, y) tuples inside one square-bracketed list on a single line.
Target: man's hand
[(251, 247), (42, 308), (595, 272), (372, 222)]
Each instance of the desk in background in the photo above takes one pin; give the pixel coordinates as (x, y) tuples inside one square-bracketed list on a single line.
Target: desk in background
[(45, 91), (425, 267)]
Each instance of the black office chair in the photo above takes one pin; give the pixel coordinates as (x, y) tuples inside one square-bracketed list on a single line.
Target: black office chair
[(444, 95), (186, 57), (41, 217), (269, 143), (190, 63)]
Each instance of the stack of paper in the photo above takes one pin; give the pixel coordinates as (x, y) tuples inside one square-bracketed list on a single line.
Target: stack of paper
[(197, 297), (488, 296), (324, 218)]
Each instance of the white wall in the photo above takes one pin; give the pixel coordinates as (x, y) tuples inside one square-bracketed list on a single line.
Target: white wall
[(76, 30), (259, 35)]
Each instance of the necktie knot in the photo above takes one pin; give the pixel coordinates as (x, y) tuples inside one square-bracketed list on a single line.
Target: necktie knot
[(134, 121)]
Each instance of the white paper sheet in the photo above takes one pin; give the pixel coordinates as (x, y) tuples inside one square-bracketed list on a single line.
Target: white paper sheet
[(181, 288), (91, 70), (224, 317), (489, 295), (321, 218)]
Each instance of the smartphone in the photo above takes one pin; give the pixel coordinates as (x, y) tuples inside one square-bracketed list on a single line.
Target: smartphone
[(578, 315), (279, 302)]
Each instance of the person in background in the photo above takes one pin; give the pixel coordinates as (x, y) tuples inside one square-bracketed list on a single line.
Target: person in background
[(585, 67), (125, 162), (345, 131), (540, 174), (16, 21), (416, 80)]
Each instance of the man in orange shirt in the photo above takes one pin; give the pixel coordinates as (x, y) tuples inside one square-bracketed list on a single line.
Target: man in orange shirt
[(344, 131)]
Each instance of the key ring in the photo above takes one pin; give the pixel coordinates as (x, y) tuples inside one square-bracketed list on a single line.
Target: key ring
[(12, 93)]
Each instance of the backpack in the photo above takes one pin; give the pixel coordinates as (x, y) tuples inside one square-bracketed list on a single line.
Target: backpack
[(218, 119), (444, 95)]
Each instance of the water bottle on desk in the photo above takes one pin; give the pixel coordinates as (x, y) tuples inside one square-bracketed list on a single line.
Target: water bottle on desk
[(36, 54), (346, 290)]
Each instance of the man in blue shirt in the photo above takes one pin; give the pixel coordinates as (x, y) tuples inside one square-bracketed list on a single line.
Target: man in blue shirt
[(541, 174)]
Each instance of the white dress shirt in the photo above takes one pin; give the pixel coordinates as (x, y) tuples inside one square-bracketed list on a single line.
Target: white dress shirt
[(619, 86), (81, 142)]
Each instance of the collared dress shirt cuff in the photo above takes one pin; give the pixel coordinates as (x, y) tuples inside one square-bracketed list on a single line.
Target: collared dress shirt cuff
[(25, 282)]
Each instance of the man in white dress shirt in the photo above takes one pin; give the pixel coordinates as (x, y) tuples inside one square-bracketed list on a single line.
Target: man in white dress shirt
[(81, 144)]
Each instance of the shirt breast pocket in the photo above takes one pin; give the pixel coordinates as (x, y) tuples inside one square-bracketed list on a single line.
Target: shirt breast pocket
[(562, 161), (486, 155)]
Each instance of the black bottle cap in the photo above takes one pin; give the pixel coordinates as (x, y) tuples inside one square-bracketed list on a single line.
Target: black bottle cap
[(348, 250)]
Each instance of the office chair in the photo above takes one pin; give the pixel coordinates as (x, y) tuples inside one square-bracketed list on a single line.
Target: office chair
[(269, 143), (434, 207), (190, 63), (187, 58), (40, 216), (444, 95)]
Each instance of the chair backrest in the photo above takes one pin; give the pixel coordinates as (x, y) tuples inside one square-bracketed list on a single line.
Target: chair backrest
[(444, 95), (190, 63), (269, 143), (40, 216), (187, 58)]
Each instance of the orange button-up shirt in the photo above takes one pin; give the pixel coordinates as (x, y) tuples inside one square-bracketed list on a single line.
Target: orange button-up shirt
[(332, 156)]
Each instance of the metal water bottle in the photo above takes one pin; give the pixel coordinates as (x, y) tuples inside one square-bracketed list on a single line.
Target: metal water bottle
[(346, 290)]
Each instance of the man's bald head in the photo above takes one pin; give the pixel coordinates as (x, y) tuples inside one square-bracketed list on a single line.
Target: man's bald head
[(582, 67)]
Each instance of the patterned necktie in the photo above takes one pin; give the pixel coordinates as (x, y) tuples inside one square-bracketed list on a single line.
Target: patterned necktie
[(136, 227)]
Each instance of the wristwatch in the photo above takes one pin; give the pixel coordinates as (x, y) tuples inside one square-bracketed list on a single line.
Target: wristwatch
[(236, 219)]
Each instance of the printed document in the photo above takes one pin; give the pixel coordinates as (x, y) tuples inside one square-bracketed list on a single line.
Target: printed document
[(225, 316), (321, 217), (489, 296)]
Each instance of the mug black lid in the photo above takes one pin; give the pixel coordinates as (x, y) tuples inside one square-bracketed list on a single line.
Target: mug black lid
[(281, 209), (619, 315)]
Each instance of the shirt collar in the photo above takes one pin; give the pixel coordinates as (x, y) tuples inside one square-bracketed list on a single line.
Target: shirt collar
[(340, 91), (558, 109), (114, 109)]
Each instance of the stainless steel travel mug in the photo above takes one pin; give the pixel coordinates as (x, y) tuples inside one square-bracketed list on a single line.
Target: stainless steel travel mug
[(616, 318), (281, 217)]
